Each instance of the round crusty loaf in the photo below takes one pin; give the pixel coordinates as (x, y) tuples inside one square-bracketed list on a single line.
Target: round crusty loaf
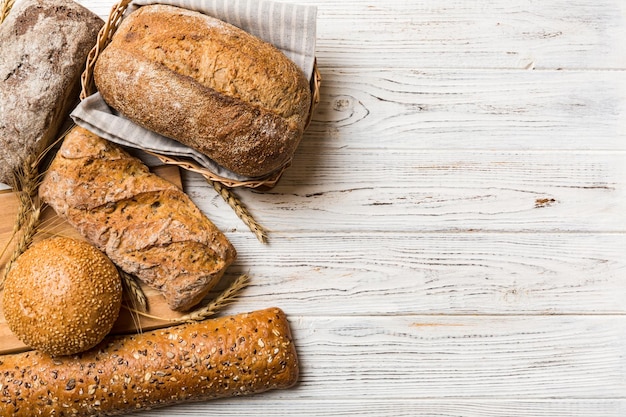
[(62, 296), (208, 85)]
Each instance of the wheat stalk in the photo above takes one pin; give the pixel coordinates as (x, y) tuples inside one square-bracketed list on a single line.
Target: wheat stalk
[(225, 298), (242, 212), (6, 8), (138, 299), (26, 182), (228, 296), (26, 238)]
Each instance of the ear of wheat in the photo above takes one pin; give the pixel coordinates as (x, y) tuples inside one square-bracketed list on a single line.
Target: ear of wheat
[(26, 182), (226, 297), (242, 212), (5, 9)]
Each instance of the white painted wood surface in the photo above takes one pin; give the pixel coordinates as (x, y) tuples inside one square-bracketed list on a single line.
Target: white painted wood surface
[(450, 240)]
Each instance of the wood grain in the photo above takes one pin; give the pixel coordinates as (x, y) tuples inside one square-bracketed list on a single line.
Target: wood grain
[(405, 407), (451, 110), (472, 34), (452, 357), (438, 191), (435, 273)]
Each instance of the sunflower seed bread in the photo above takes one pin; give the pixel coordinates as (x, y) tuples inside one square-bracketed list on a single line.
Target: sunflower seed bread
[(43, 48), (148, 226), (229, 356), (208, 85)]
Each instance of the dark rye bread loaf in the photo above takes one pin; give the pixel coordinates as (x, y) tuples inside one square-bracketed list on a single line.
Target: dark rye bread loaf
[(208, 85), (43, 48)]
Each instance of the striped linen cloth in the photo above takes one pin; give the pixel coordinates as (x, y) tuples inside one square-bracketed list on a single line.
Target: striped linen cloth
[(289, 27)]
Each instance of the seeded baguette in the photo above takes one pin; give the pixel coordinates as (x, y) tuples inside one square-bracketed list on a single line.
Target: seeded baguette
[(236, 355), (147, 226)]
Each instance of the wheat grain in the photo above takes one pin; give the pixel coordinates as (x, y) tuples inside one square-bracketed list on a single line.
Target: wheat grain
[(6, 8), (228, 296), (225, 298), (138, 299), (242, 212), (26, 183), (25, 239)]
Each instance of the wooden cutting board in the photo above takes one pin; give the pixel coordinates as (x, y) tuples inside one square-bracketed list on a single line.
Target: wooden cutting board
[(53, 225)]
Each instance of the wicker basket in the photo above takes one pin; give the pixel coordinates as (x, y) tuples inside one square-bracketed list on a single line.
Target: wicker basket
[(88, 88)]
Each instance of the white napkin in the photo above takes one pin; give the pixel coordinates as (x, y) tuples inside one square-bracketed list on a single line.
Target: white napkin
[(289, 27)]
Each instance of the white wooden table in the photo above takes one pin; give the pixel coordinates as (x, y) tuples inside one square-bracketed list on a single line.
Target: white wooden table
[(450, 240)]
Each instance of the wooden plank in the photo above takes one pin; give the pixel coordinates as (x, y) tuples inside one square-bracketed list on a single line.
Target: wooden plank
[(268, 405), (465, 34), (459, 110), (395, 357), (378, 273), (472, 34), (436, 191)]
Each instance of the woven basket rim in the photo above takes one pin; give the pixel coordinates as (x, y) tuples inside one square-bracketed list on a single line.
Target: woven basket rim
[(88, 88)]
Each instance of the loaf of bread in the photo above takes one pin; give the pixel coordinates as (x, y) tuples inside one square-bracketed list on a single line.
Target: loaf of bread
[(43, 48), (62, 296), (208, 85), (148, 226), (236, 355)]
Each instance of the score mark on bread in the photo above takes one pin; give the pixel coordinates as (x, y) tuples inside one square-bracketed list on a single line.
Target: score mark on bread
[(147, 226)]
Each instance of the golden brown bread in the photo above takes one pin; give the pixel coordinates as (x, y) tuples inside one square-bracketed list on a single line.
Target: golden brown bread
[(62, 296), (206, 84), (147, 226), (237, 355)]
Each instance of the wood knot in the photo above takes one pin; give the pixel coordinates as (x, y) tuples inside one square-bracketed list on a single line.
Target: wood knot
[(544, 202)]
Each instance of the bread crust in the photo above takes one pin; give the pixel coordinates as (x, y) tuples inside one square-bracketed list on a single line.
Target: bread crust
[(43, 47), (62, 296), (147, 226), (236, 355), (208, 85)]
